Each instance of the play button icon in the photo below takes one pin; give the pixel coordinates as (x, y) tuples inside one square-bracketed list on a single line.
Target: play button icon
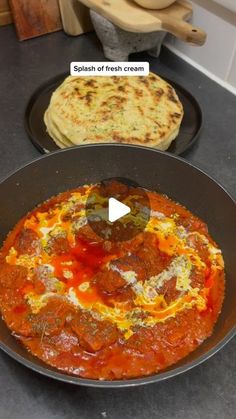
[(116, 210)]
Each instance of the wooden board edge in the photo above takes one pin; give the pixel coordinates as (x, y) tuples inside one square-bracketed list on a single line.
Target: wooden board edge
[(140, 27), (5, 18), (26, 38), (22, 36), (75, 18)]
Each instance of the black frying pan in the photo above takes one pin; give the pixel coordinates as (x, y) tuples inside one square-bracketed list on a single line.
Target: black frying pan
[(153, 170)]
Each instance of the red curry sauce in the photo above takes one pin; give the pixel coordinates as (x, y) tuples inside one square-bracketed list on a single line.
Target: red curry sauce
[(105, 310)]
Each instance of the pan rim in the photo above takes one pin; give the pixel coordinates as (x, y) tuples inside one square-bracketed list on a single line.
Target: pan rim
[(135, 382), (60, 376), (113, 145)]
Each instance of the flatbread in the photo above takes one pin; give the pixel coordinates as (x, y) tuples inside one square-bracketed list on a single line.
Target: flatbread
[(134, 110)]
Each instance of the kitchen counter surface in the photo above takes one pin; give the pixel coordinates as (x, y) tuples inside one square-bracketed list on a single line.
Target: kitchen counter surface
[(207, 391)]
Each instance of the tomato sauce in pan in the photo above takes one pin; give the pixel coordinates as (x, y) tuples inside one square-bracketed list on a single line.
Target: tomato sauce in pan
[(104, 310)]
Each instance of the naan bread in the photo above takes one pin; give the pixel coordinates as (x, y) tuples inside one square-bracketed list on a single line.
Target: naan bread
[(134, 110)]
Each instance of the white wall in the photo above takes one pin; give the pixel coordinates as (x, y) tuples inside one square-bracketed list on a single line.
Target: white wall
[(218, 55), (228, 4)]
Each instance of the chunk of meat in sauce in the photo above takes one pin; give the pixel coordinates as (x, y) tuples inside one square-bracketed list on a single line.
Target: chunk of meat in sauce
[(86, 233), (189, 327), (38, 284), (169, 290), (154, 260), (197, 279), (123, 295), (58, 245), (15, 313), (169, 287), (13, 277), (109, 281), (132, 245), (13, 280), (66, 340), (51, 318), (141, 340), (131, 263), (44, 281), (26, 242), (70, 214), (93, 334), (198, 243), (110, 278)]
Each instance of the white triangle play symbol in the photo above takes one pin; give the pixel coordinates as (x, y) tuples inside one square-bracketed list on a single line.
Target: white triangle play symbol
[(116, 210)]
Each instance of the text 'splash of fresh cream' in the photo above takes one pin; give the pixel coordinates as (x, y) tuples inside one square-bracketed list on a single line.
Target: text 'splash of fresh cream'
[(104, 68)]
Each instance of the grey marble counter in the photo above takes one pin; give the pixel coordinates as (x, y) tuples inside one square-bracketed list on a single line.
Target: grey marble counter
[(206, 392)]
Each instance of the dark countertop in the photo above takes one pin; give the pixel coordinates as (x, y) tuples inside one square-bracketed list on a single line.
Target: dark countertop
[(207, 391)]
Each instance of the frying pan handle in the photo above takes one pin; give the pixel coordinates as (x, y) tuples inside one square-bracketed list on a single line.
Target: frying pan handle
[(184, 30)]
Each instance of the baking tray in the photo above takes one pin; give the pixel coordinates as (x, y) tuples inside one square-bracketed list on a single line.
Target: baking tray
[(34, 124)]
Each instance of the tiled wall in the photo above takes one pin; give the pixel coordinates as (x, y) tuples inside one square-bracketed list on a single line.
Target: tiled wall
[(218, 55)]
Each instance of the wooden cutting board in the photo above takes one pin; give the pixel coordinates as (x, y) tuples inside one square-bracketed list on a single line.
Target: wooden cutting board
[(5, 13), (35, 17), (133, 18), (75, 17)]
